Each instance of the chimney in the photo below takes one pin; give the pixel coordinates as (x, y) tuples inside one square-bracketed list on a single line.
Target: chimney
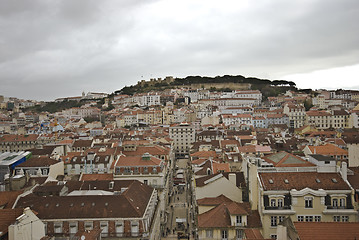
[(232, 178), (344, 171)]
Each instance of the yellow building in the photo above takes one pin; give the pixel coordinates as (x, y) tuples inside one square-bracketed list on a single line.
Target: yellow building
[(304, 197), (222, 218)]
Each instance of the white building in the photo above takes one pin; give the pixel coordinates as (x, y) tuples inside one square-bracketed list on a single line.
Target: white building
[(183, 136)]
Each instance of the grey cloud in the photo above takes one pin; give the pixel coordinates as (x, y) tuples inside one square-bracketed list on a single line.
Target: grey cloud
[(104, 45)]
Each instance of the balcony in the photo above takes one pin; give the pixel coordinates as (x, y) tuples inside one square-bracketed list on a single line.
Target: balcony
[(277, 208), (340, 207), (339, 210), (286, 210)]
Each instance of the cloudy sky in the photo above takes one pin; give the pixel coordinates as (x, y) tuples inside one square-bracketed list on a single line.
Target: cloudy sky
[(51, 49)]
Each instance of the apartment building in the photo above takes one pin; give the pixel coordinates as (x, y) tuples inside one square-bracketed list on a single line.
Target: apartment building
[(304, 197), (17, 142), (147, 169), (183, 136), (319, 119), (124, 210), (296, 114)]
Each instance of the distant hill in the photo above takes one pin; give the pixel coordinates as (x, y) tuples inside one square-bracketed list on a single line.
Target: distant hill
[(222, 83)]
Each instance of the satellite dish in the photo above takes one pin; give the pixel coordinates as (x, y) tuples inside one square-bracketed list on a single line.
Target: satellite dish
[(83, 237)]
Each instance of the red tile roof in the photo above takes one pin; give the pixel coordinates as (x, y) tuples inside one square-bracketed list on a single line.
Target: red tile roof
[(252, 233), (213, 201), (284, 159), (18, 138), (138, 161), (98, 177), (301, 180), (8, 198), (327, 230), (8, 217), (40, 161), (328, 149), (204, 154)]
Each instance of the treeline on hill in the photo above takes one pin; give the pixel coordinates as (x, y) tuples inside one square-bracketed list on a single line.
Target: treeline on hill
[(267, 87), (53, 107)]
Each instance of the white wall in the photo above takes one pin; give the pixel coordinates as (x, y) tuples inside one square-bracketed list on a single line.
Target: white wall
[(28, 226)]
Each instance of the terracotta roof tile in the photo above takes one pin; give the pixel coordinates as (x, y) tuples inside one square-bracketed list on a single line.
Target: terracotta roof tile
[(301, 180), (252, 233), (8, 198), (94, 177), (18, 137), (327, 230), (328, 149), (82, 143), (138, 161), (132, 203), (213, 201), (40, 161), (284, 159), (8, 217), (204, 154)]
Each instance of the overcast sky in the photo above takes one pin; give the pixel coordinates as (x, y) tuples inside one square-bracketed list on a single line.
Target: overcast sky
[(51, 49)]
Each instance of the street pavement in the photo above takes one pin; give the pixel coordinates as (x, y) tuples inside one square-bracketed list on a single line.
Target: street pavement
[(179, 209)]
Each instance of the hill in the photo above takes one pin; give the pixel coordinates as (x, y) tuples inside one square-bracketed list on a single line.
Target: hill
[(223, 83)]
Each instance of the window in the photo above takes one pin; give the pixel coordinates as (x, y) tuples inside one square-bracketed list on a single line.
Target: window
[(239, 234), (238, 220), (281, 218), (224, 235), (317, 218), (134, 228), (342, 202), (335, 202), (345, 218), (300, 218), (58, 227), (104, 228), (280, 202), (73, 228), (272, 202), (209, 233), (309, 218), (273, 221), (273, 236), (119, 229), (336, 218), (308, 202), (88, 225), (45, 226)]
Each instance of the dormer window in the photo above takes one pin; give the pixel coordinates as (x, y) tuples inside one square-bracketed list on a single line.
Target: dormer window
[(238, 220), (308, 202)]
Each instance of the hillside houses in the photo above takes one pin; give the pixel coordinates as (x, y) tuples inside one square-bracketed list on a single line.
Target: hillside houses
[(199, 163)]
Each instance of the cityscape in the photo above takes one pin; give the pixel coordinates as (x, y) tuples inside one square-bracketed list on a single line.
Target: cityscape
[(164, 120), (182, 162)]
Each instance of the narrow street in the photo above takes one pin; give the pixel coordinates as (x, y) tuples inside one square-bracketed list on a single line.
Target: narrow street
[(179, 221)]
